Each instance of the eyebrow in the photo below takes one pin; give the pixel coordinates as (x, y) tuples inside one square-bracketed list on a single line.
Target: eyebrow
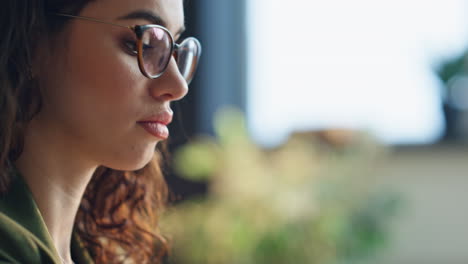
[(151, 17)]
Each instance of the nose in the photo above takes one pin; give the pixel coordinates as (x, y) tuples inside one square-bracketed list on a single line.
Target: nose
[(171, 86)]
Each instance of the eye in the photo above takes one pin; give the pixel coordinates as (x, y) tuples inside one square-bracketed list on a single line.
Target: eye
[(131, 46), (147, 46)]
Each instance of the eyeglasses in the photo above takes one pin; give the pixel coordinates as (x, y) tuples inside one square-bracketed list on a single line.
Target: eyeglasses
[(155, 47)]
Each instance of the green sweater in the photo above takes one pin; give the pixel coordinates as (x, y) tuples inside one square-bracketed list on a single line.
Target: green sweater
[(23, 234)]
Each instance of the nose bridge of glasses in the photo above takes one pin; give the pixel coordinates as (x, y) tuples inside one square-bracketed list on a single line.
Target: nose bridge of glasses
[(189, 44)]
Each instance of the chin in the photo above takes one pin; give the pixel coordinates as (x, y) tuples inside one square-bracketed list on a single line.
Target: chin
[(128, 166), (131, 162)]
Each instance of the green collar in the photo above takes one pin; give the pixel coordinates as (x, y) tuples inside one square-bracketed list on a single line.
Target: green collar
[(18, 203)]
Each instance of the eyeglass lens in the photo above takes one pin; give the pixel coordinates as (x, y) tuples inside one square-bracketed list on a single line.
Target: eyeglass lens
[(157, 46), (187, 58)]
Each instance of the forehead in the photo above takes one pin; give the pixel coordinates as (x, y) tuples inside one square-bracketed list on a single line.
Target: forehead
[(170, 11)]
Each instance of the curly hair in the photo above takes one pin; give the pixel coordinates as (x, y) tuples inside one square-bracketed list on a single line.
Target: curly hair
[(118, 216)]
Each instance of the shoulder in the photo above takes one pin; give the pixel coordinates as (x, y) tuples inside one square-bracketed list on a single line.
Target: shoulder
[(19, 245)]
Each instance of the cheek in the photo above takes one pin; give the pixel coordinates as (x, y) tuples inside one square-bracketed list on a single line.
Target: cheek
[(104, 71), (108, 77), (97, 101), (98, 87)]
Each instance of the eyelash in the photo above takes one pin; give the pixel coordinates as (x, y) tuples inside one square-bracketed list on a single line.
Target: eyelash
[(130, 46)]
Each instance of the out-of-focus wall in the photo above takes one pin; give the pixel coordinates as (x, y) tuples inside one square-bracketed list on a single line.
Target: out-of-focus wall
[(432, 227)]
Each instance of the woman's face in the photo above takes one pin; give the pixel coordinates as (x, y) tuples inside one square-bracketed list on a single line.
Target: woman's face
[(94, 95)]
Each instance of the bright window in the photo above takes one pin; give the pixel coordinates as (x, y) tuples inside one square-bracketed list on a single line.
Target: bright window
[(361, 64)]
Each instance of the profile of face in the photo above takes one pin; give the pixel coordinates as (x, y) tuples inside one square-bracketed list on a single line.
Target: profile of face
[(95, 98)]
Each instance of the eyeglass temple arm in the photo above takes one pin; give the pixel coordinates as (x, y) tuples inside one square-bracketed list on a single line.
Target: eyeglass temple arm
[(93, 20)]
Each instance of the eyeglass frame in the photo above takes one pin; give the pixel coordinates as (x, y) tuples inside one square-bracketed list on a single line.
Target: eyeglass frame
[(139, 30)]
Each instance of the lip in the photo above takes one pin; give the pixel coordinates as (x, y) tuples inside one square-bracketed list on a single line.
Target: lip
[(157, 125), (164, 118), (156, 129)]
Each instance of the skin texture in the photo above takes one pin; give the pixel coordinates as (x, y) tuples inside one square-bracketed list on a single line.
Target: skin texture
[(93, 96)]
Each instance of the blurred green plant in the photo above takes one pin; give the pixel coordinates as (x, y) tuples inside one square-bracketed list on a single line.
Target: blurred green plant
[(304, 202)]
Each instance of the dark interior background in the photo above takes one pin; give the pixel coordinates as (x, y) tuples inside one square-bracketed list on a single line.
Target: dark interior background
[(220, 26)]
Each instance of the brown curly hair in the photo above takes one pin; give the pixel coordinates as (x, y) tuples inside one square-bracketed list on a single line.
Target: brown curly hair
[(118, 217)]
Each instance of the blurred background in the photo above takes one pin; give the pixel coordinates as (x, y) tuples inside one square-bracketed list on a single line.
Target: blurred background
[(385, 81)]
